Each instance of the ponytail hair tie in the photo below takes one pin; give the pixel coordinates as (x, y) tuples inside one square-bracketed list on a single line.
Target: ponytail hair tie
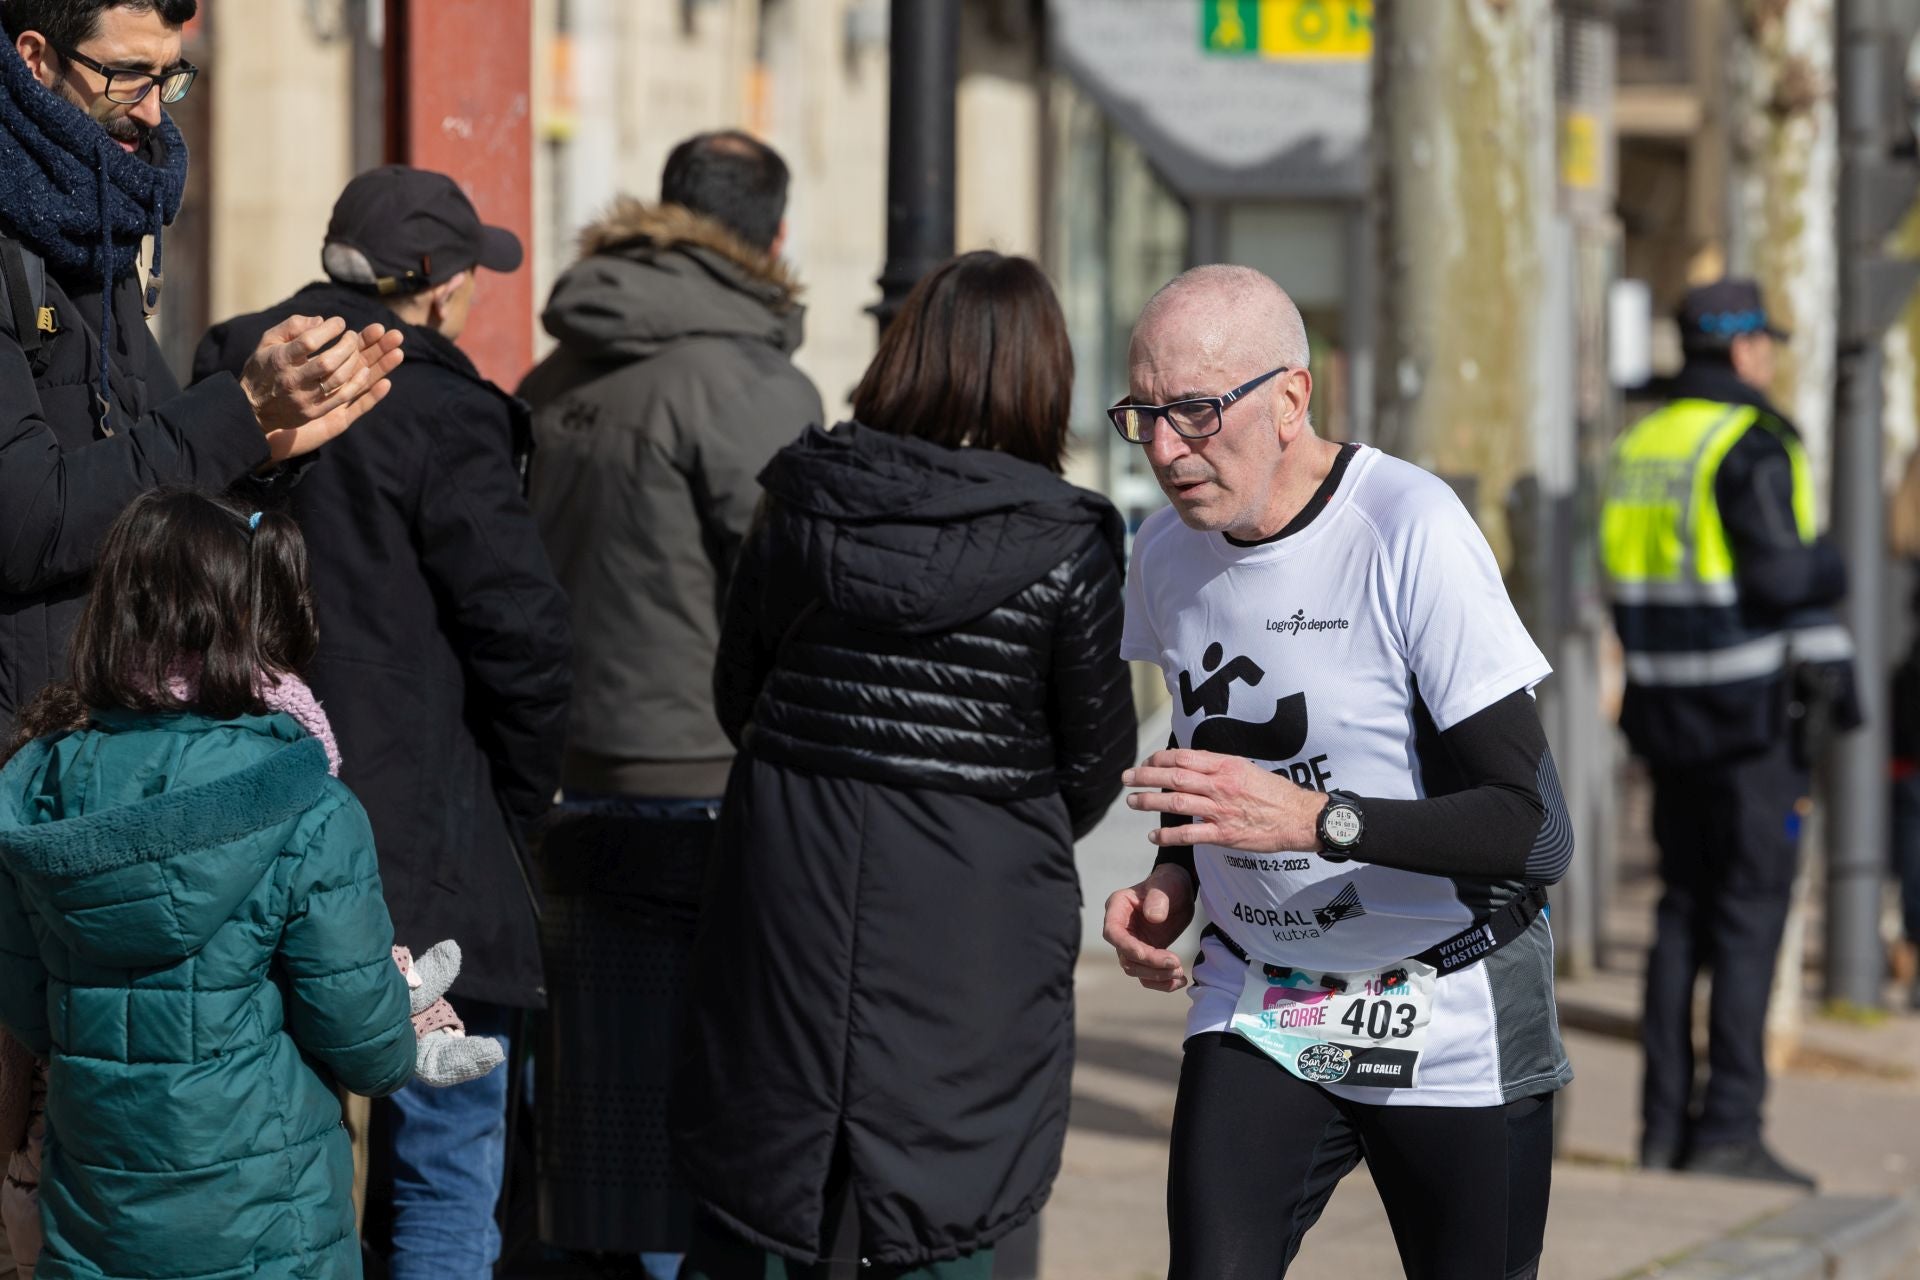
[(253, 522)]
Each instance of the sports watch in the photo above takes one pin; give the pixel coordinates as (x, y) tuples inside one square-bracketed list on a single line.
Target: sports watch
[(1339, 826)]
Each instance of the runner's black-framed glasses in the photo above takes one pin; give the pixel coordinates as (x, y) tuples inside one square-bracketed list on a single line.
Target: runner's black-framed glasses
[(1195, 418), (130, 87)]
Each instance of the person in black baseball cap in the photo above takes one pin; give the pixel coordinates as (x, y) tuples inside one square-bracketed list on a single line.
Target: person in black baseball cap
[(412, 237), (444, 662)]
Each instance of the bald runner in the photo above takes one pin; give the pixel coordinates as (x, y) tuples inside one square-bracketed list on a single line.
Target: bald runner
[(1360, 795)]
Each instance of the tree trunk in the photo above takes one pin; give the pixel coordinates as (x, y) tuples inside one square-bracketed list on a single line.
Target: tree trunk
[(1464, 185), (1785, 186), (1784, 189), (1900, 417)]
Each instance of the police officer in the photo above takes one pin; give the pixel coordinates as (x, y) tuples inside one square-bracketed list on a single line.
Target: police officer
[(1722, 595)]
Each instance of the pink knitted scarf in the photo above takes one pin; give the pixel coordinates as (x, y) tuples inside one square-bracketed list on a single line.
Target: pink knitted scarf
[(283, 691), (292, 696)]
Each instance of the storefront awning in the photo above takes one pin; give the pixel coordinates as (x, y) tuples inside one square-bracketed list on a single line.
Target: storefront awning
[(1271, 122)]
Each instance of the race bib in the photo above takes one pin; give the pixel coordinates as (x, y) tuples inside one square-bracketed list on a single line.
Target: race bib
[(1358, 1029)]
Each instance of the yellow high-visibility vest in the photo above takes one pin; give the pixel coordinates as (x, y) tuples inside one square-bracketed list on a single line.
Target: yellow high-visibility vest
[(1668, 565)]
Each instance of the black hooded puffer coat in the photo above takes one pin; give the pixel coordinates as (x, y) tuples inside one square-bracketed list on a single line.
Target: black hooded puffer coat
[(921, 666)]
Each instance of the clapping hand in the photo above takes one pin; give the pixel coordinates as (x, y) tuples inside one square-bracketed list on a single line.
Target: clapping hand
[(310, 379)]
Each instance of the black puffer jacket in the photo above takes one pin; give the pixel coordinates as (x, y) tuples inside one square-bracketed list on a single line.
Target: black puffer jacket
[(921, 666), (941, 613)]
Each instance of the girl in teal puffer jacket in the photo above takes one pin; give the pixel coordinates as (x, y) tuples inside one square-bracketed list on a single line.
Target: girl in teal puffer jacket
[(191, 924)]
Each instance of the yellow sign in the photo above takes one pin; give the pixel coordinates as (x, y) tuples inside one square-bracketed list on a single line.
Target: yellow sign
[(1579, 150), (1287, 29)]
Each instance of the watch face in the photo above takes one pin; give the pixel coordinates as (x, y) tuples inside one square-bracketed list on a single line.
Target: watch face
[(1341, 822)]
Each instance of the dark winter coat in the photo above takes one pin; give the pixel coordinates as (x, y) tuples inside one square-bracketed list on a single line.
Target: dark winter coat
[(443, 659), (79, 206), (62, 482), (672, 386), (191, 927), (921, 664)]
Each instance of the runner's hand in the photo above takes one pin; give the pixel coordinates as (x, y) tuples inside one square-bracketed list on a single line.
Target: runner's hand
[(1231, 802), (1142, 922), (310, 379)]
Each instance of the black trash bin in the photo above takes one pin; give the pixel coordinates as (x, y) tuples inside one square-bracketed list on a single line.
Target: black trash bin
[(622, 899)]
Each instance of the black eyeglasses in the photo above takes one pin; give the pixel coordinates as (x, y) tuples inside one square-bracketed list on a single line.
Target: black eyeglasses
[(1195, 419), (129, 87)]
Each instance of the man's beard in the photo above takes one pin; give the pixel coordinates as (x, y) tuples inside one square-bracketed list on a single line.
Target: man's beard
[(119, 128), (127, 129)]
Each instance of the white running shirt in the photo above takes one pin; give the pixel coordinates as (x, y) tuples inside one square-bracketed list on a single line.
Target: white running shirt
[(1306, 655)]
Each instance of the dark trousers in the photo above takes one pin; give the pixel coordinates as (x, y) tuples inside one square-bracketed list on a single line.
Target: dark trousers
[(1728, 855), (1256, 1154), (438, 1157), (1906, 852), (623, 882)]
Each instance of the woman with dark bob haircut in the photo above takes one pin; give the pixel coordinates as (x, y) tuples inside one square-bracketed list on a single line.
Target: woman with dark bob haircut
[(919, 664)]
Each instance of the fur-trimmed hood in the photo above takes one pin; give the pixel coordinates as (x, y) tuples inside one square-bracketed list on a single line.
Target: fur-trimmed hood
[(136, 836), (670, 226), (651, 276)]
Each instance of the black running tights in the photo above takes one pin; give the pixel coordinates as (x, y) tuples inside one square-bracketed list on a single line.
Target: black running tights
[(1257, 1153)]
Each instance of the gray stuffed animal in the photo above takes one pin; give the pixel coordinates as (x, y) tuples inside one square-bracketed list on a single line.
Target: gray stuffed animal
[(447, 1055)]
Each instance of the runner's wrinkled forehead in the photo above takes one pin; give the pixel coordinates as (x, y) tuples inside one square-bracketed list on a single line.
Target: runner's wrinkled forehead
[(1210, 329)]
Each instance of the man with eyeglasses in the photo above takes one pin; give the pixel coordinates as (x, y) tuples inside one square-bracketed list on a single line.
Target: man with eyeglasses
[(90, 416), (1360, 795)]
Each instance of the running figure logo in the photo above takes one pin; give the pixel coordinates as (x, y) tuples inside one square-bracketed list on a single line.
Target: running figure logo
[(1280, 737)]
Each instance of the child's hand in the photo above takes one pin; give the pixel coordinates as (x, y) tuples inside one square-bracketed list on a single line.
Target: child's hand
[(446, 1054)]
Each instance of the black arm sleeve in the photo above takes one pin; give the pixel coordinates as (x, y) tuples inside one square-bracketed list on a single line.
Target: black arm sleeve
[(1776, 571), (1180, 855), (1493, 809)]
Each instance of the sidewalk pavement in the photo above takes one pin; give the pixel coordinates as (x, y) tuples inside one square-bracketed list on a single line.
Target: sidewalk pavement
[(1847, 1109)]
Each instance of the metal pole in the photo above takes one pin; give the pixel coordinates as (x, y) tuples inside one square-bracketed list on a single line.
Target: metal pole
[(1857, 829), (1206, 232), (922, 74)]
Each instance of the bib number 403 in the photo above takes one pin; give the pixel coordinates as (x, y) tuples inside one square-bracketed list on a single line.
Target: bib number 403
[(1379, 1019)]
